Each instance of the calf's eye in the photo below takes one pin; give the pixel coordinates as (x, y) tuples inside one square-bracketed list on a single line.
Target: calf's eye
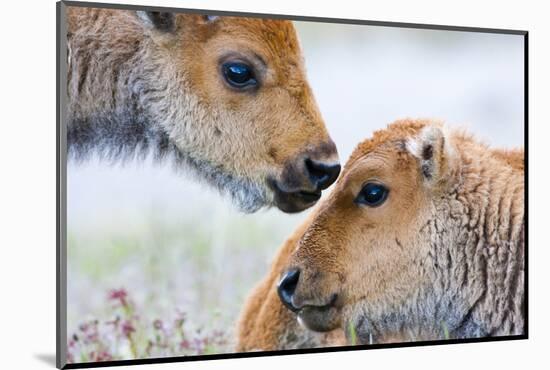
[(372, 194), (239, 75)]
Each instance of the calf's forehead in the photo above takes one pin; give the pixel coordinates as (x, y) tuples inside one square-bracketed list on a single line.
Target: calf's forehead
[(277, 37), (392, 139), (382, 162)]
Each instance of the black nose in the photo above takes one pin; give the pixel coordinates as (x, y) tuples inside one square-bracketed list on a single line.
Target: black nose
[(287, 287), (321, 175)]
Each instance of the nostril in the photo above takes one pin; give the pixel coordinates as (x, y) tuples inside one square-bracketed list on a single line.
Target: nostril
[(287, 286), (321, 175)]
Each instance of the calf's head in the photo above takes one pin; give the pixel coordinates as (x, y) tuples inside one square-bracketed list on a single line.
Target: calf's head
[(240, 107), (360, 264)]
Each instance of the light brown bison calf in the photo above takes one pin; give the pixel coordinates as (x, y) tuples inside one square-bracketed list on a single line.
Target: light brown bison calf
[(422, 238), (226, 97)]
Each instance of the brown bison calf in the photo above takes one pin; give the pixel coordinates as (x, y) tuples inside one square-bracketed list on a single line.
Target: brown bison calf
[(422, 238), (225, 97)]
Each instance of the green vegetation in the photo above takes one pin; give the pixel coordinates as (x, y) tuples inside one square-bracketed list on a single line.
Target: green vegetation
[(183, 282)]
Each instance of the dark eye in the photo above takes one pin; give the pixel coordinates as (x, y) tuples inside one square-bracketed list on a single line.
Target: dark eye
[(239, 75), (372, 194)]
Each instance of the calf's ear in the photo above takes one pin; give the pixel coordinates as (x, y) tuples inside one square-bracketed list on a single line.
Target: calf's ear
[(160, 21), (433, 152)]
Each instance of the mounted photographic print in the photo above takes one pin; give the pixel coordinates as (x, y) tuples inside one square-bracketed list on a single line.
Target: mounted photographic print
[(234, 185)]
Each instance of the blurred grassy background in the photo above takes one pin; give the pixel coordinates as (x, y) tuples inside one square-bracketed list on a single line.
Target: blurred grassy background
[(176, 245)]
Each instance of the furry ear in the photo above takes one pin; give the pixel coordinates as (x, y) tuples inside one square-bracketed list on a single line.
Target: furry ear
[(161, 21), (432, 151)]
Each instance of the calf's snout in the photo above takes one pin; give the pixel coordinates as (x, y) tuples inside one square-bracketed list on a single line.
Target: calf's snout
[(304, 177), (321, 175), (287, 286), (317, 307)]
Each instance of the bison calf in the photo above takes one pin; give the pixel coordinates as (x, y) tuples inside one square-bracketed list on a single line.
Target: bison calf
[(422, 238), (226, 97)]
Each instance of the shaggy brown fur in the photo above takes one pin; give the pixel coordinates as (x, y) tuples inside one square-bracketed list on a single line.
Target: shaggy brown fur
[(443, 254), (152, 82)]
